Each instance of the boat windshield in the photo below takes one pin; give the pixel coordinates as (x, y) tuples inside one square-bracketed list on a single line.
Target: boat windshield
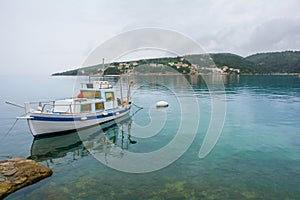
[(90, 94)]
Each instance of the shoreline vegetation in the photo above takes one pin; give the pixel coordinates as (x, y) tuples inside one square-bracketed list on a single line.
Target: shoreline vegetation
[(273, 63)]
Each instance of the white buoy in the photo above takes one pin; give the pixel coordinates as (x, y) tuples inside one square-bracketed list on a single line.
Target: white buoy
[(162, 104)]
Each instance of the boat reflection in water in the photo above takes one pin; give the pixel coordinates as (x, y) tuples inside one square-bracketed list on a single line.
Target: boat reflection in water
[(81, 143)]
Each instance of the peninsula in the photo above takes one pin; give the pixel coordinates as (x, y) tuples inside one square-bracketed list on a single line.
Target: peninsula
[(287, 62)]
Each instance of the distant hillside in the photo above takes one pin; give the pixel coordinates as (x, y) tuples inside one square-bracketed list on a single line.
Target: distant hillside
[(262, 63), (235, 61), (277, 62)]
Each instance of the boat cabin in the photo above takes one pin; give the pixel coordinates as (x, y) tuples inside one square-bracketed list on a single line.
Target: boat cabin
[(77, 105), (93, 97)]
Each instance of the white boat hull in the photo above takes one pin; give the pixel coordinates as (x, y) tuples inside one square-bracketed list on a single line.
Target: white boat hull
[(42, 124)]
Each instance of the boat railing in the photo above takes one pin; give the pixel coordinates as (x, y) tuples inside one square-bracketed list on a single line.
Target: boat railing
[(96, 85), (49, 106)]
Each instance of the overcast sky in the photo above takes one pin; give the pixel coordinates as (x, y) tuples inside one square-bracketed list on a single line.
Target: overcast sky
[(43, 37)]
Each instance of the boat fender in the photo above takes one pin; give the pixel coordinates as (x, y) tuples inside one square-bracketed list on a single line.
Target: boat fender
[(125, 102), (83, 118), (80, 95)]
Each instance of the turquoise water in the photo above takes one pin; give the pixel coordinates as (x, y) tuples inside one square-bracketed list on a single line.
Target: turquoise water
[(256, 157)]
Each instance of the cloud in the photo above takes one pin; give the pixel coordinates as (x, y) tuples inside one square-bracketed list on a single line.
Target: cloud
[(43, 37), (276, 34)]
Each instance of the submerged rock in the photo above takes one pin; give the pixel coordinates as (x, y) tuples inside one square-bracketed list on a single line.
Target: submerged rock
[(17, 173)]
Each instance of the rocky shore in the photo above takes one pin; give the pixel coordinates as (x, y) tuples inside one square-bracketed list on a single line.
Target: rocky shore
[(17, 173)]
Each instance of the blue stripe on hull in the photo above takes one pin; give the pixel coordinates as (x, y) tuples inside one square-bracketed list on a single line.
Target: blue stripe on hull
[(106, 125), (56, 118)]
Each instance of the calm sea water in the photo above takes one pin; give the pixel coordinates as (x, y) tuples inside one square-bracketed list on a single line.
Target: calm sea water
[(256, 157)]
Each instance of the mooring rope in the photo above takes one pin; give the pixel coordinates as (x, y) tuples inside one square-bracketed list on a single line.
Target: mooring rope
[(136, 105), (139, 108), (9, 130), (5, 156)]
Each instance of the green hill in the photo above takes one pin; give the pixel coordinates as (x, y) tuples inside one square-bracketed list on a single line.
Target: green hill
[(235, 61), (277, 62), (261, 63)]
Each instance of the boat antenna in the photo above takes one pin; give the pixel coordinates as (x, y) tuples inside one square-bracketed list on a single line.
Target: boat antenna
[(103, 68)]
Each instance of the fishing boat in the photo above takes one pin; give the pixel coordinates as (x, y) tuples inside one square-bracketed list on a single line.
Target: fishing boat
[(78, 143), (95, 104)]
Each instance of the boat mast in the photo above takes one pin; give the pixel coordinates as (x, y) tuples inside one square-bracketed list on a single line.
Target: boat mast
[(121, 89), (103, 69)]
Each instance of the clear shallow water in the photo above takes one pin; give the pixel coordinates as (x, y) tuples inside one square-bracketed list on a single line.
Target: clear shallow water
[(256, 157)]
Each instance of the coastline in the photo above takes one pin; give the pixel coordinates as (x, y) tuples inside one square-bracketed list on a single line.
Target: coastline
[(177, 74)]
